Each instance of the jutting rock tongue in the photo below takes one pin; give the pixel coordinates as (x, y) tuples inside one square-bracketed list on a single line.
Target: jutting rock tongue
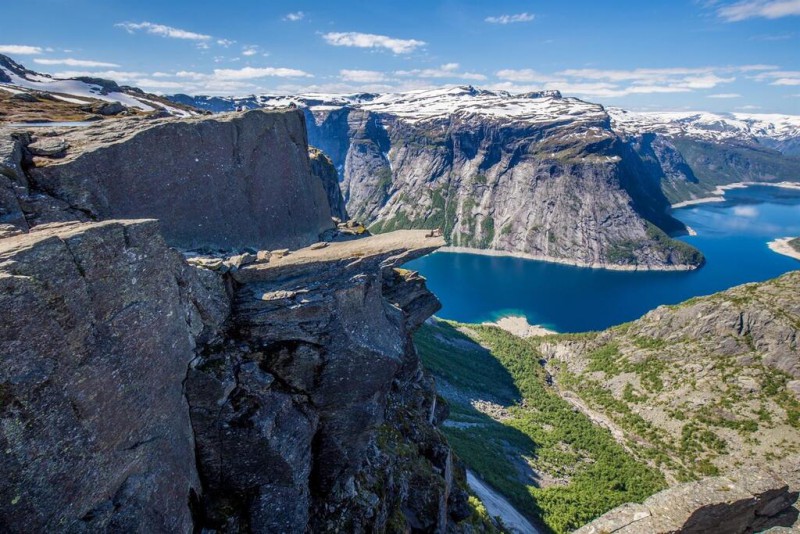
[(237, 180)]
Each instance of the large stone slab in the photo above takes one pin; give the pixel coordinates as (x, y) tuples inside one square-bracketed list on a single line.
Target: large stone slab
[(235, 180), (95, 340)]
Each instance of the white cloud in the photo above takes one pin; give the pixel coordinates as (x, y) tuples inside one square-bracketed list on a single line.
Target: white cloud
[(745, 211), (510, 19), (294, 17), (162, 31), (725, 95), (22, 50), (370, 40), (616, 83), (769, 9), (448, 70), (116, 75), (250, 73), (779, 77), (225, 42), (522, 75), (362, 76), (75, 62), (250, 50)]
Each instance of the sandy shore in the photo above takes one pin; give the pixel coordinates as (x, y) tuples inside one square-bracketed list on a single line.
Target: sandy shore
[(520, 327), (718, 195), (550, 259), (782, 246)]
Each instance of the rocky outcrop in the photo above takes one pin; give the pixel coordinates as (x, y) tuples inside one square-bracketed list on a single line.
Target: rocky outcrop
[(315, 413), (747, 500), (322, 167), (229, 182), (99, 323), (228, 390)]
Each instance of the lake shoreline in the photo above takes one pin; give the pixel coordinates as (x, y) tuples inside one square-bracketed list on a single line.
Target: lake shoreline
[(564, 261), (782, 246), (718, 195), (519, 326)]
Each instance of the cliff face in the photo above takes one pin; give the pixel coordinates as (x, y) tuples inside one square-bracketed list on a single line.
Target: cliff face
[(322, 167), (235, 181), (98, 331), (315, 410), (554, 183), (151, 391)]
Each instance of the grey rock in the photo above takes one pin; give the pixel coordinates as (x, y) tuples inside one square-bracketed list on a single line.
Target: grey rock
[(322, 167), (745, 501), (301, 422), (95, 428), (54, 148), (24, 97), (219, 185), (110, 108)]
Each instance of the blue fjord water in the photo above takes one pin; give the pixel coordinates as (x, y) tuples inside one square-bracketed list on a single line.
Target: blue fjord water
[(733, 235)]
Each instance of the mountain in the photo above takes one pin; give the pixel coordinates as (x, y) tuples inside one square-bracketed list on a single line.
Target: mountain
[(535, 174), (695, 152), (28, 96)]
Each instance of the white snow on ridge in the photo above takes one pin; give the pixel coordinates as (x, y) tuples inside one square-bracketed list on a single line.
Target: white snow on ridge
[(706, 125), (74, 88), (461, 101)]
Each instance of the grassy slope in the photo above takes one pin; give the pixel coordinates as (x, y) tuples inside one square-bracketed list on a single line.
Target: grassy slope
[(591, 472)]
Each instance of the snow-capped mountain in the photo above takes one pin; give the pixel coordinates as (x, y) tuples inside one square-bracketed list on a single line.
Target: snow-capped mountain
[(773, 128), (18, 80)]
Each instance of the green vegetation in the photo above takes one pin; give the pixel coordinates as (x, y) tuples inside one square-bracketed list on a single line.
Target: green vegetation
[(682, 254), (537, 435), (624, 252)]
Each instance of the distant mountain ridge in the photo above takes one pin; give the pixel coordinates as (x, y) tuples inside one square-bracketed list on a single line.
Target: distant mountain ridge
[(536, 174)]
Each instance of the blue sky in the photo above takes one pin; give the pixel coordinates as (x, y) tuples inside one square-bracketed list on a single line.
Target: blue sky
[(695, 54)]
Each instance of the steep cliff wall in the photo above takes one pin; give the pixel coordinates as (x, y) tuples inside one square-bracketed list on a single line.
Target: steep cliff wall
[(553, 183), (97, 333), (322, 167), (315, 410), (233, 181)]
